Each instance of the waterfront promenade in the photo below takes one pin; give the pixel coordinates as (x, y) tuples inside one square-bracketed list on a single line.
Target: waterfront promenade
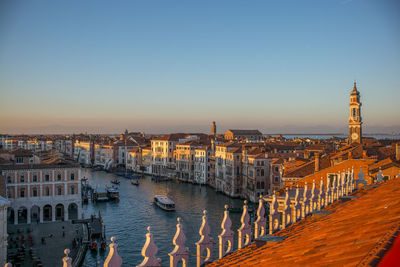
[(51, 251)]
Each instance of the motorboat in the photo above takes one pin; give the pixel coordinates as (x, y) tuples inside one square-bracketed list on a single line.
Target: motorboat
[(112, 192), (164, 202), (100, 195), (135, 182)]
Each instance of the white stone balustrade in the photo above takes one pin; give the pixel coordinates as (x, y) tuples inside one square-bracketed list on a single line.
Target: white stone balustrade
[(287, 211), (180, 252), (305, 205), (205, 243), (149, 252), (274, 215), (226, 237), (67, 261), (361, 179), (313, 198), (321, 195), (296, 212), (260, 225), (244, 231), (113, 259)]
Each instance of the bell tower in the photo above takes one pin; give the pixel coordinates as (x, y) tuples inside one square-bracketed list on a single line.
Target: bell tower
[(355, 121)]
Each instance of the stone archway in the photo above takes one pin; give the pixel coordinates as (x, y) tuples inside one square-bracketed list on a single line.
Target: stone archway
[(47, 213), (10, 215), (35, 214), (22, 215), (59, 212), (72, 211)]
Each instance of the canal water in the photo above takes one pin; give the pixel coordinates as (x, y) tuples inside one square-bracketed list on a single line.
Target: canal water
[(128, 219)]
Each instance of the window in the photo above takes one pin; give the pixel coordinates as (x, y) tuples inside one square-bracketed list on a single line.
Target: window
[(72, 176), (59, 190), (47, 177), (262, 172), (354, 112), (72, 190), (22, 178), (47, 191), (276, 169), (34, 192), (276, 180), (58, 176), (19, 160), (22, 192), (34, 178), (9, 180)]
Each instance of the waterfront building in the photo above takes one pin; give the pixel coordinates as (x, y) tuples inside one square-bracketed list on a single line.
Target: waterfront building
[(134, 159), (186, 159), (355, 120), (247, 135), (84, 152), (202, 165), (48, 190), (104, 155), (228, 165), (3, 226), (255, 173)]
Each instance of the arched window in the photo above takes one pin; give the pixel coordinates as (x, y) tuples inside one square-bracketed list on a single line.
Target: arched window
[(22, 192), (9, 180), (72, 176), (72, 190), (354, 112), (22, 178), (59, 190), (47, 191), (59, 176), (34, 192)]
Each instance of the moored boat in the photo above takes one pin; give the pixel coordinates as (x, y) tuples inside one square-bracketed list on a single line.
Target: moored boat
[(100, 195), (112, 192), (135, 182), (164, 202), (115, 181)]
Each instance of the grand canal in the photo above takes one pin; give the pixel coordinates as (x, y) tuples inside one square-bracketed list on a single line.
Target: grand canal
[(128, 219)]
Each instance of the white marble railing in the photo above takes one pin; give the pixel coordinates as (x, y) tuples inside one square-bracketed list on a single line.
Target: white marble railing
[(294, 209)]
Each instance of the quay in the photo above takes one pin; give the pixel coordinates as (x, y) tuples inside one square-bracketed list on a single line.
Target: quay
[(43, 244)]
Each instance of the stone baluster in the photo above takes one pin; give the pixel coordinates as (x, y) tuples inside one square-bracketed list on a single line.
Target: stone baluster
[(348, 182), (344, 183), (328, 193), (379, 177), (351, 182), (260, 225), (226, 237), (361, 179), (321, 195), (287, 211), (305, 207), (205, 242), (113, 259), (296, 212), (274, 215), (67, 261), (149, 252), (334, 190), (180, 252), (313, 198), (244, 231), (339, 185)]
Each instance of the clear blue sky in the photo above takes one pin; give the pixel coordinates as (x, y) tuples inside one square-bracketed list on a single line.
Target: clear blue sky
[(166, 66)]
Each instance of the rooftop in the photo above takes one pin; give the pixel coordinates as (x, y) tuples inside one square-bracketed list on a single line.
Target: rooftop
[(356, 233)]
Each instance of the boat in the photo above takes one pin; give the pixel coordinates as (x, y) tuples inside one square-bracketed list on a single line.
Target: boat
[(112, 192), (164, 202), (115, 181), (100, 195), (135, 182)]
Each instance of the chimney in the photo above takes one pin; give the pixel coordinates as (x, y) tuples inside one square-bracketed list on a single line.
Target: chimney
[(306, 154), (316, 162), (398, 151)]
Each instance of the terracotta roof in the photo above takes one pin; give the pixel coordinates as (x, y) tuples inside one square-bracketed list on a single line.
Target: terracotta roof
[(308, 168), (356, 233), (383, 164)]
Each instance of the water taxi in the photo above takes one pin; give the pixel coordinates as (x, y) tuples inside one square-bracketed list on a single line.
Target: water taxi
[(164, 203), (100, 195), (112, 192)]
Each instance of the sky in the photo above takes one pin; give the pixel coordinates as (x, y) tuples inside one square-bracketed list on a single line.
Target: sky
[(171, 66)]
